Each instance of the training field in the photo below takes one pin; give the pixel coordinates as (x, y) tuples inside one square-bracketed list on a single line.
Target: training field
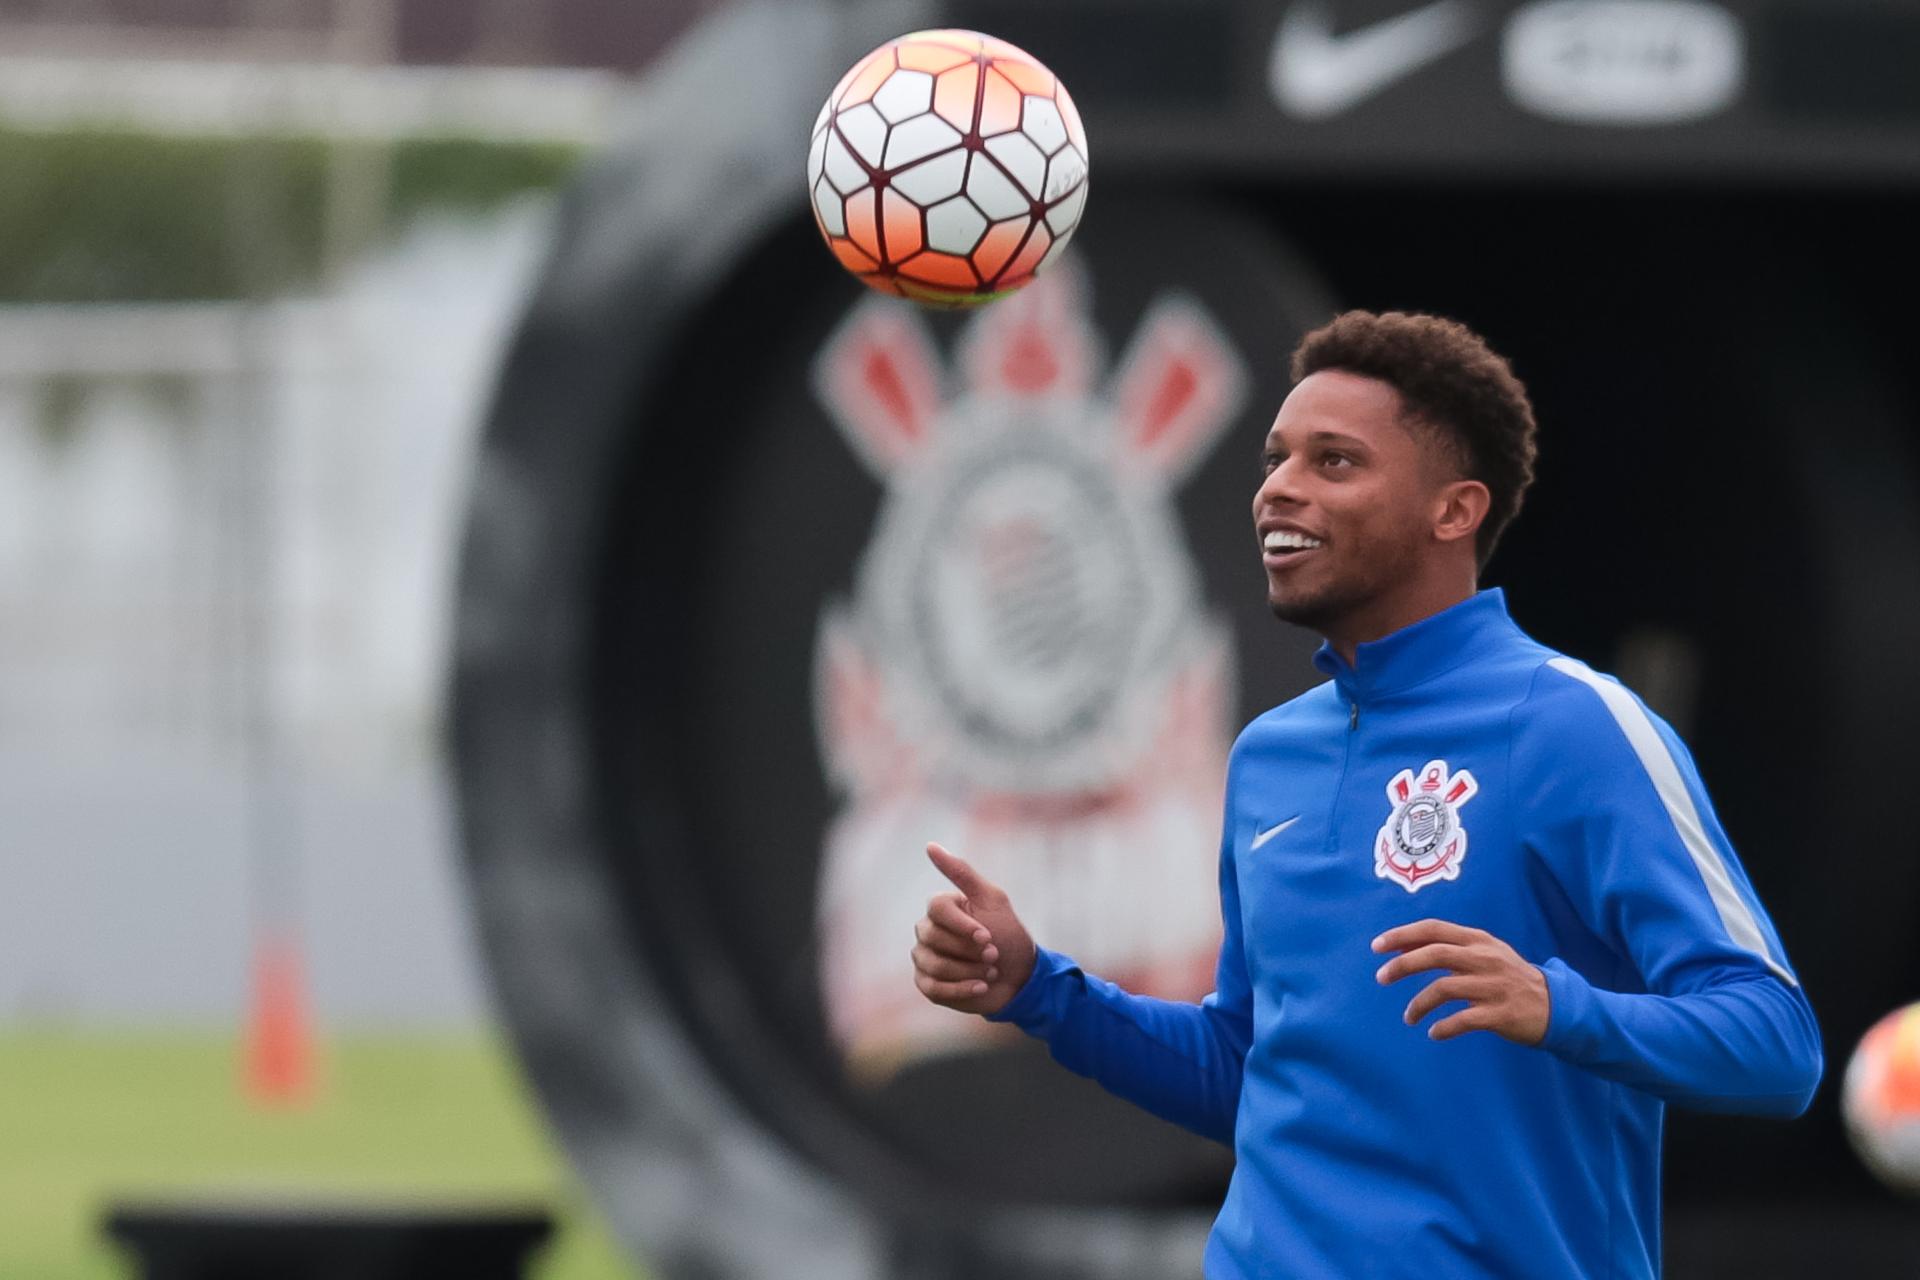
[(88, 1117)]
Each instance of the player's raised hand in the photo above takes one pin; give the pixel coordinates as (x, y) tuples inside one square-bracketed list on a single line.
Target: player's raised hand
[(970, 951), (1504, 993)]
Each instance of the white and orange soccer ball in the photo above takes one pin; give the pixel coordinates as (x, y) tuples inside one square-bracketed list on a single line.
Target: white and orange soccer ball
[(948, 167), (1881, 1098)]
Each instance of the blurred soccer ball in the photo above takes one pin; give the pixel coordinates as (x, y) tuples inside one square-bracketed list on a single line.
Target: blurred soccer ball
[(1881, 1098), (948, 167)]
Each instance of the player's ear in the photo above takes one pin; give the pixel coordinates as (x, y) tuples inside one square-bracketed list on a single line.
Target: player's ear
[(1460, 507), (879, 377)]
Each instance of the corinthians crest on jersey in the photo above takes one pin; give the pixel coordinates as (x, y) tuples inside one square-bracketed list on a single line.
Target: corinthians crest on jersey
[(1422, 841)]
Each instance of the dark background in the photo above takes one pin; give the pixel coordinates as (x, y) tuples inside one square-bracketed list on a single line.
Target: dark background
[(1693, 481), (1714, 320)]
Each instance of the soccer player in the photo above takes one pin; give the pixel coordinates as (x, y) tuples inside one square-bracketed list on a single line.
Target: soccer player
[(1481, 921)]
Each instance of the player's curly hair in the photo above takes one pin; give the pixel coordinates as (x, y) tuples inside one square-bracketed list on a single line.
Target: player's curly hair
[(1449, 380)]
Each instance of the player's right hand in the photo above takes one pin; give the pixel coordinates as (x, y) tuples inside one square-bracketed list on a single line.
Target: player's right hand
[(970, 951)]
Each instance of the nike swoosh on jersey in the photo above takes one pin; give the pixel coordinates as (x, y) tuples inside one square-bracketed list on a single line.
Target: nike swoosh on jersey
[(1262, 837), (1315, 74)]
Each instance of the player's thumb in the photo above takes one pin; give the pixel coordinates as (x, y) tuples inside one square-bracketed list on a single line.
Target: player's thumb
[(957, 869)]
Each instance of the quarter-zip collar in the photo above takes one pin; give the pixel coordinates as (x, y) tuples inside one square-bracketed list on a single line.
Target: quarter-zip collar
[(1420, 651)]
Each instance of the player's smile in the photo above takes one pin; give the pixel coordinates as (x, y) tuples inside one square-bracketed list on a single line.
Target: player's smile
[(1284, 545)]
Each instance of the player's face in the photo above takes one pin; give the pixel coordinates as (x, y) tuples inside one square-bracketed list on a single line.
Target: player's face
[(1342, 514)]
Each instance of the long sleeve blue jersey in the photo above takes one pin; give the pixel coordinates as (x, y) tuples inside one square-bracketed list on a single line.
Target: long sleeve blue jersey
[(1457, 770)]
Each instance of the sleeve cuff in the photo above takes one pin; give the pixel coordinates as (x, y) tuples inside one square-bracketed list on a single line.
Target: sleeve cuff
[(1569, 1008), (1028, 1008)]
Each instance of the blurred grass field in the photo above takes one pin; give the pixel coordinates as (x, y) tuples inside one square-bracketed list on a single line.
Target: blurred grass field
[(89, 1117)]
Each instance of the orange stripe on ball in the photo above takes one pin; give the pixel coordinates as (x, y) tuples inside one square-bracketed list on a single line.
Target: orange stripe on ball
[(926, 56), (966, 41), (994, 251), (905, 229), (940, 269), (1030, 256), (1000, 108), (860, 222), (1026, 77), (850, 256), (953, 95), (867, 81)]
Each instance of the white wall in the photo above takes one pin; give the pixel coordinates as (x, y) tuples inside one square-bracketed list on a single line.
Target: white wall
[(192, 495)]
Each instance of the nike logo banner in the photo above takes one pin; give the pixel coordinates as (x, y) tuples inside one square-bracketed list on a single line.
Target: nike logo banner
[(1264, 836), (1315, 74)]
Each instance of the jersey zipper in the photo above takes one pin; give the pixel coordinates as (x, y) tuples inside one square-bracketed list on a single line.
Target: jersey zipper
[(1346, 761)]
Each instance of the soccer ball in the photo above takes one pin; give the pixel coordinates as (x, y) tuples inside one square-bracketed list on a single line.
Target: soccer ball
[(947, 167), (1881, 1098)]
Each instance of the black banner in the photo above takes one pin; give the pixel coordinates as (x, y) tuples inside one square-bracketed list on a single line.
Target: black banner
[(1691, 89)]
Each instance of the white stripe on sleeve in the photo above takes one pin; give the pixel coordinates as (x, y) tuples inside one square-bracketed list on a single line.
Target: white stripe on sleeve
[(1659, 764)]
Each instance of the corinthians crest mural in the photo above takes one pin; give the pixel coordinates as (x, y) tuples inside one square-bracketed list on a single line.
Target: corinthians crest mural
[(1026, 669)]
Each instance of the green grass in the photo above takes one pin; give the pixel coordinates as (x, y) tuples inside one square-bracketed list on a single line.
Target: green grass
[(89, 1118)]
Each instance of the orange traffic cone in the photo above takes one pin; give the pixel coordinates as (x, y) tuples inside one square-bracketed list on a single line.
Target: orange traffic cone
[(279, 1068)]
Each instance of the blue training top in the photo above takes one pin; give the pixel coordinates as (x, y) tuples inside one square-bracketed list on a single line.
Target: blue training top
[(1458, 770)]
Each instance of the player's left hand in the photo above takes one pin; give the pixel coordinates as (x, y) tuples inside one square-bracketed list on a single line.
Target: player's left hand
[(1504, 993)]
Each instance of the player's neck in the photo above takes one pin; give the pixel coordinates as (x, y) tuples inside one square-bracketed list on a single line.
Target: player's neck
[(1385, 615)]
